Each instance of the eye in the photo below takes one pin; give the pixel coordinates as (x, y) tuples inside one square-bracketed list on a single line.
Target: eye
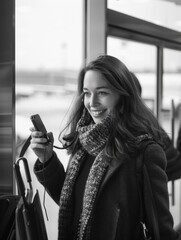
[(86, 93), (102, 93)]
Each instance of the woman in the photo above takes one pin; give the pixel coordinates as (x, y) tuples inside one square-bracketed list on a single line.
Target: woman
[(98, 194)]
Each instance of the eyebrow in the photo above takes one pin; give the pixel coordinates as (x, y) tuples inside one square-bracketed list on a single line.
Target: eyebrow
[(98, 88)]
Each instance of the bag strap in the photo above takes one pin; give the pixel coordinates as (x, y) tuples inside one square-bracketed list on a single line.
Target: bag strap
[(20, 182), (25, 146), (147, 202)]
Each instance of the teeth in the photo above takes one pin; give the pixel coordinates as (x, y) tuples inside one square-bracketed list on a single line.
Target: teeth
[(96, 113)]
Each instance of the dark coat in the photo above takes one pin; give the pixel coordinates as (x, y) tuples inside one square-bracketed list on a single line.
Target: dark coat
[(173, 155), (117, 206)]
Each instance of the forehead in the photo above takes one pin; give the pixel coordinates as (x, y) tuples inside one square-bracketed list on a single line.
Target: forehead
[(93, 79)]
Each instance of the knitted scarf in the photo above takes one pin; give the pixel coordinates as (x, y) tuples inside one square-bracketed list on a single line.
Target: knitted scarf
[(93, 138)]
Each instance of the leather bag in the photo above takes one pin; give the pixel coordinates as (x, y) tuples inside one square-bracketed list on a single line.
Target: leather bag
[(8, 204)]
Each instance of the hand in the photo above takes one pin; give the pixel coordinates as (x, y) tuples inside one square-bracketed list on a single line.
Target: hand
[(42, 146)]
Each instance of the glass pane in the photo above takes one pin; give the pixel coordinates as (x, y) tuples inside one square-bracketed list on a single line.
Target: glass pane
[(163, 13), (171, 88), (171, 120), (49, 54), (141, 60)]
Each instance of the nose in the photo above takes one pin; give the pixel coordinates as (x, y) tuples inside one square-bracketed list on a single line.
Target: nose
[(93, 100)]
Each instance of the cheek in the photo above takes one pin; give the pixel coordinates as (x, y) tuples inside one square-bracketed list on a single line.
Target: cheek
[(112, 106), (113, 102)]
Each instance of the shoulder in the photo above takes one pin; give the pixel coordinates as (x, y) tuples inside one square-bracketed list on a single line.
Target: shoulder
[(155, 155)]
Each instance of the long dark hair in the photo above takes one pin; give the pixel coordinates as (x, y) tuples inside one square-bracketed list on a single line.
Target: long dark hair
[(131, 117)]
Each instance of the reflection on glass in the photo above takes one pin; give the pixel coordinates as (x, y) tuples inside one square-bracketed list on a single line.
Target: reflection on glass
[(141, 59), (49, 54)]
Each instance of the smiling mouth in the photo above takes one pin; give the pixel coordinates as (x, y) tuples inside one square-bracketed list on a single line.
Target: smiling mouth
[(97, 113)]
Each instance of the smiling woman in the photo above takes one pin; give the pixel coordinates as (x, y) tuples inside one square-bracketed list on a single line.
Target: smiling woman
[(98, 193)]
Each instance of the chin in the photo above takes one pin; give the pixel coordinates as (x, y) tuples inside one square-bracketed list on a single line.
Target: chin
[(98, 120)]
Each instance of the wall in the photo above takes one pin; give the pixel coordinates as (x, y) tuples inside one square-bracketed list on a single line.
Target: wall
[(7, 88)]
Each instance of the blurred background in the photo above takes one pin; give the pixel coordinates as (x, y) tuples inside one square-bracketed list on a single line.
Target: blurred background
[(49, 42)]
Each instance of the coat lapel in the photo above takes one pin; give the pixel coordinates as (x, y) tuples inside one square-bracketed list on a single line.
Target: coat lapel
[(114, 165)]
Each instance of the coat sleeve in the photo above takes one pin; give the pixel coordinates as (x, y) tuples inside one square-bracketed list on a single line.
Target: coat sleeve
[(155, 161), (51, 176)]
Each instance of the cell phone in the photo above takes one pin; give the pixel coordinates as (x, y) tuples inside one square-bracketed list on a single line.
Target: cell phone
[(38, 124)]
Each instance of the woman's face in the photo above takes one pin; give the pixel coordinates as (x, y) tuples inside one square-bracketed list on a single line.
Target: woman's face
[(99, 98)]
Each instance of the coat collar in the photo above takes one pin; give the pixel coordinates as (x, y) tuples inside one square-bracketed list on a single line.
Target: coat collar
[(114, 165)]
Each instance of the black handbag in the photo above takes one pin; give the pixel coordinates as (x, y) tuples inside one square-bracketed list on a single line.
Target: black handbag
[(29, 218), (8, 204), (148, 213)]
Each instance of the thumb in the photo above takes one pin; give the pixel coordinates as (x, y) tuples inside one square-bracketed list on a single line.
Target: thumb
[(50, 135)]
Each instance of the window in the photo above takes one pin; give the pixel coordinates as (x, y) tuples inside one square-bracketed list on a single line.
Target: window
[(163, 13), (49, 55), (141, 60), (171, 89)]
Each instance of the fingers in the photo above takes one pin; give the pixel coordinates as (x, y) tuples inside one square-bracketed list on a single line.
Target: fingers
[(38, 139), (36, 134), (41, 145)]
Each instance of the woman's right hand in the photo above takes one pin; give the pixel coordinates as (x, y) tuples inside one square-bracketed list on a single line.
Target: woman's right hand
[(42, 146)]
